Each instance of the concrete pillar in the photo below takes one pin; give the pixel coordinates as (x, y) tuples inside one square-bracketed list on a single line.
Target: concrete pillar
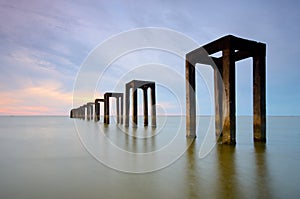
[(134, 107), (106, 108), (122, 109), (72, 113), (118, 109), (92, 113), (228, 132), (145, 106), (84, 112), (89, 109), (88, 113), (153, 105), (259, 94), (127, 104), (218, 90), (190, 100), (97, 110)]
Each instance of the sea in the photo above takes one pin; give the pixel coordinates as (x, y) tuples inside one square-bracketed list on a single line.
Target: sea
[(59, 157)]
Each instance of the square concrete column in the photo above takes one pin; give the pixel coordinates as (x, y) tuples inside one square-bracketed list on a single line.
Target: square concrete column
[(153, 105), (259, 94), (190, 99), (121, 108), (218, 90), (228, 132), (134, 107), (106, 109), (145, 96), (127, 104), (88, 112)]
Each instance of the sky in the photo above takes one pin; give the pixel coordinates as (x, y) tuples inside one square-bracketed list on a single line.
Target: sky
[(44, 43)]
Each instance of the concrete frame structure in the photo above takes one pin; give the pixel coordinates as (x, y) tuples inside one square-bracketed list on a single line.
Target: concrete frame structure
[(144, 85), (119, 97), (233, 49), (97, 109), (89, 110), (78, 112)]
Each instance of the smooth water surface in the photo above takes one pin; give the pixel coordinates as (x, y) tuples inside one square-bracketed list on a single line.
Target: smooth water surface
[(43, 157)]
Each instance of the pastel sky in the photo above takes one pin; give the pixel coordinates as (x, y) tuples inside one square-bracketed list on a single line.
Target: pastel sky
[(43, 44)]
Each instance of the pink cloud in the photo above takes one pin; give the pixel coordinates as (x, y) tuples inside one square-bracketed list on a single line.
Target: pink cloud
[(46, 99)]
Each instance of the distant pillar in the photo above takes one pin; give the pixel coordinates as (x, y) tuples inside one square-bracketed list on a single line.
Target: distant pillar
[(84, 112), (119, 97), (153, 105), (127, 104), (259, 94), (97, 109), (145, 107), (106, 109), (89, 107), (92, 112), (88, 113), (134, 108)]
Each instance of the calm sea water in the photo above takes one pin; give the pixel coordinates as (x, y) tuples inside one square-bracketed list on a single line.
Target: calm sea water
[(59, 157)]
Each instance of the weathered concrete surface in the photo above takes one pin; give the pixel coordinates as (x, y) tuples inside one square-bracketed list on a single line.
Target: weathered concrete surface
[(233, 49)]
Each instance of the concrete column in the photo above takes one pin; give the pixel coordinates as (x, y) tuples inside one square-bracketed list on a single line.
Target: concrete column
[(72, 113), (88, 113), (106, 109), (134, 107), (190, 100), (121, 116), (259, 94), (229, 97), (145, 106), (218, 90), (118, 109), (84, 112), (92, 113), (77, 113), (127, 105), (80, 112), (153, 105), (97, 110)]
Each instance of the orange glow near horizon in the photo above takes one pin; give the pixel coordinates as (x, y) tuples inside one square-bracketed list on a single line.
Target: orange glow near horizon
[(46, 100)]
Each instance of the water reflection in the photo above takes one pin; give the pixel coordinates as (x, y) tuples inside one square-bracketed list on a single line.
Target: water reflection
[(262, 173), (227, 183), (192, 172), (227, 172)]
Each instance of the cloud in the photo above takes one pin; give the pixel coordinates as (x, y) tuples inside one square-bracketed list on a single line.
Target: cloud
[(47, 98)]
